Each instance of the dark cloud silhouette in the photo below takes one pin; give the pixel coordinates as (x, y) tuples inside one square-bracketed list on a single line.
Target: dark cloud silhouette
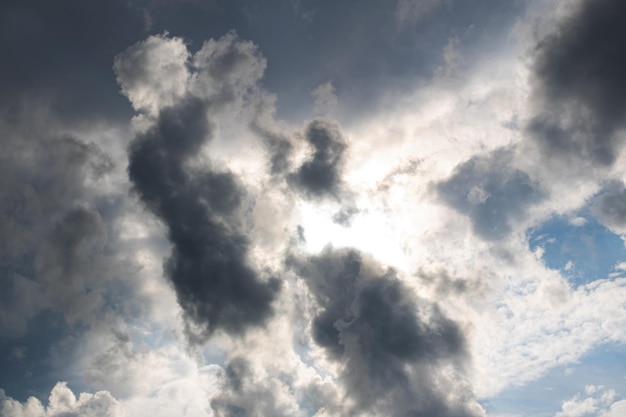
[(490, 192), (214, 284), (390, 345), (320, 175), (579, 76), (202, 208), (208, 266)]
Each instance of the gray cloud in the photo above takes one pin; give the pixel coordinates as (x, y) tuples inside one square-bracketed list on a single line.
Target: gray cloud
[(490, 192), (278, 392), (320, 175), (445, 285), (344, 216), (43, 223), (208, 267), (389, 344), (56, 265), (70, 264), (610, 207), (578, 72), (240, 396), (278, 144)]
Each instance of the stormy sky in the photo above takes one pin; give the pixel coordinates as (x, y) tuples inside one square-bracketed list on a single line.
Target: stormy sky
[(299, 208)]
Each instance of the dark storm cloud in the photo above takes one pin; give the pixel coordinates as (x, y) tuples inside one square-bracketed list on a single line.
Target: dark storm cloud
[(490, 192), (208, 267), (320, 175), (389, 344), (579, 74)]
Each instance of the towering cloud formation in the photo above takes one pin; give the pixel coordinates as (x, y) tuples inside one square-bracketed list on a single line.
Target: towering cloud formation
[(215, 285), (398, 355), (579, 76)]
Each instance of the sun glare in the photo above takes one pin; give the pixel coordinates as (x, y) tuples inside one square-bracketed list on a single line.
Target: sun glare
[(366, 231)]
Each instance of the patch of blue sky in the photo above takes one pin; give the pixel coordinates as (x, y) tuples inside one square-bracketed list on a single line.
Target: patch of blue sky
[(604, 366), (580, 248)]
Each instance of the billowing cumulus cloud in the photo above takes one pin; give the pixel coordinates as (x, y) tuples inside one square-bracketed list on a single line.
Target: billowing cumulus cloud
[(395, 351), (153, 73), (596, 400), (63, 403), (227, 69), (208, 267)]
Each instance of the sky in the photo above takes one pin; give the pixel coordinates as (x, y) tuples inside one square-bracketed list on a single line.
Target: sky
[(298, 208)]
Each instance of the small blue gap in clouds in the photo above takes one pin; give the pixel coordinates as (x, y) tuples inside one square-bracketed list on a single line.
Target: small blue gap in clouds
[(580, 252)]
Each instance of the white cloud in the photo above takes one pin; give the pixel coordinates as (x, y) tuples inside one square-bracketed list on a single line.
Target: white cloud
[(617, 409), (228, 66), (597, 401), (62, 402), (153, 73), (521, 319)]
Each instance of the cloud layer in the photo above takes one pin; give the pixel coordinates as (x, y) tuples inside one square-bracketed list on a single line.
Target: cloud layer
[(381, 212)]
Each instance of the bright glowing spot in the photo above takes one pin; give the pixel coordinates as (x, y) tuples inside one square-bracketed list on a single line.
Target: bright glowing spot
[(367, 232)]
